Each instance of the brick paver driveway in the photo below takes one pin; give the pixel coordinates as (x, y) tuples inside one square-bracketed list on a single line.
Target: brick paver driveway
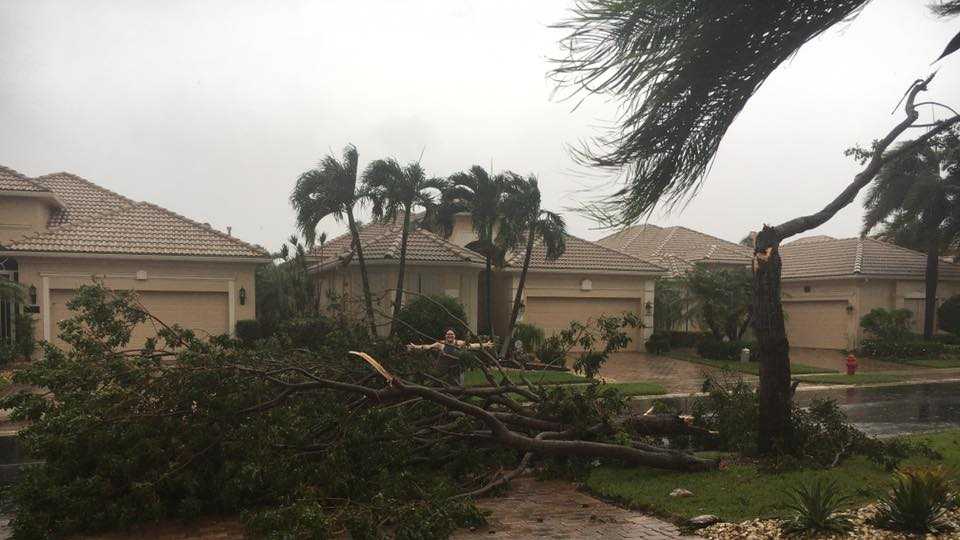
[(674, 375), (553, 509)]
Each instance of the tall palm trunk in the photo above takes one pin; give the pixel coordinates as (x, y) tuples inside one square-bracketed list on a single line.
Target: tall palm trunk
[(775, 392), (930, 298), (518, 298), (398, 296), (367, 297), (488, 293)]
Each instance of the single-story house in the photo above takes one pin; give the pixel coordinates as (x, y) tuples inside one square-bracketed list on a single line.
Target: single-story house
[(830, 283), (587, 281), (59, 231)]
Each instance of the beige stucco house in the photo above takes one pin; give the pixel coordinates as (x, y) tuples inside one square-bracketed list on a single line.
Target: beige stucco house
[(60, 231), (829, 284), (587, 281)]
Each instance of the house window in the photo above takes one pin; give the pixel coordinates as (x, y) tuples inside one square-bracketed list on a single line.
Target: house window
[(806, 288)]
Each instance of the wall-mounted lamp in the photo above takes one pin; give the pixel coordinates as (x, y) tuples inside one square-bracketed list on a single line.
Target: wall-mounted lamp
[(243, 296), (648, 307), (32, 293), (849, 308)]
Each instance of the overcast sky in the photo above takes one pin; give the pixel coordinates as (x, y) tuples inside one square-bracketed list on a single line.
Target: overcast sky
[(212, 109)]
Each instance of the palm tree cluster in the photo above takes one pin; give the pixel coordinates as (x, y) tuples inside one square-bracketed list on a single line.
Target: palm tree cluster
[(505, 209)]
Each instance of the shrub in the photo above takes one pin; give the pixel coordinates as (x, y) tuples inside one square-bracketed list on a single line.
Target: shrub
[(249, 330), (684, 339), (909, 348), (658, 343), (552, 351), (948, 315), (714, 349), (22, 346), (816, 508), (918, 502), (530, 335), (887, 324), (428, 317)]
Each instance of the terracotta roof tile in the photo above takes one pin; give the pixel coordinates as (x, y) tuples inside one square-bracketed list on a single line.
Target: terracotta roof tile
[(11, 180), (93, 219), (583, 254), (667, 246), (846, 257), (382, 241)]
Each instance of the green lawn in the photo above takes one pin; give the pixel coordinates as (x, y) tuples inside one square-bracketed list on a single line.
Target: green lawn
[(474, 377), (949, 362), (859, 378), (639, 388), (750, 368), (741, 491)]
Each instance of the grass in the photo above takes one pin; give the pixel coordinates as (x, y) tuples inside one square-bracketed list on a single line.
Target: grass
[(741, 491), (474, 377), (750, 368), (859, 378), (638, 388), (948, 362)]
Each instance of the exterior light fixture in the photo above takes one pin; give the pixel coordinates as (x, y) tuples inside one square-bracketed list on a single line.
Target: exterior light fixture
[(649, 308), (32, 293), (243, 296), (849, 308)]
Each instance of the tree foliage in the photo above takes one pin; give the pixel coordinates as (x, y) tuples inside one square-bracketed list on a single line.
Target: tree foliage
[(719, 298)]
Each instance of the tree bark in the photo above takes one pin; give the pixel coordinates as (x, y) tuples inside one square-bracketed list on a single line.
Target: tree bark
[(488, 293), (768, 324), (358, 248), (398, 297), (518, 298), (931, 275)]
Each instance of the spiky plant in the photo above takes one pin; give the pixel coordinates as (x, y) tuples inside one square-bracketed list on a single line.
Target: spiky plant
[(817, 507), (918, 501)]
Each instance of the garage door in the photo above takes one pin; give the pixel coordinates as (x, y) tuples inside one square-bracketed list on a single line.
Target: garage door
[(203, 312), (555, 314), (818, 325)]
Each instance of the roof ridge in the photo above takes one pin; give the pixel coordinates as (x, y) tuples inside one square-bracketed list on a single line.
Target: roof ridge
[(204, 227), (41, 178), (656, 251), (616, 251), (460, 251), (858, 258), (20, 176)]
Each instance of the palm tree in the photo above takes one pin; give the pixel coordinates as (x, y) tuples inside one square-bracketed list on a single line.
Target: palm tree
[(331, 190), (483, 196), (394, 191), (917, 201), (683, 70), (531, 222)]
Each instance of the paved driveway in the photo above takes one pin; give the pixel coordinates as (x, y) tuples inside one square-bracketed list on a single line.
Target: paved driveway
[(674, 375)]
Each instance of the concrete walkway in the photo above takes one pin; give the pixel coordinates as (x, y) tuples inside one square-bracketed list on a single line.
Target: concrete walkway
[(554, 509)]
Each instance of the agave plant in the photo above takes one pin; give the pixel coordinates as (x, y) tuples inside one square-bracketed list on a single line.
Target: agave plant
[(816, 507), (918, 501)]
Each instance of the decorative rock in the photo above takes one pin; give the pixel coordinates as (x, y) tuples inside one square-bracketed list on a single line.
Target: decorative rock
[(680, 492), (704, 521)]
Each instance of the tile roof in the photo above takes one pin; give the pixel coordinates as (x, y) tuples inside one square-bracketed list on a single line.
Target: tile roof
[(848, 257), (583, 254), (382, 242), (676, 247), (11, 180), (96, 220), (810, 239)]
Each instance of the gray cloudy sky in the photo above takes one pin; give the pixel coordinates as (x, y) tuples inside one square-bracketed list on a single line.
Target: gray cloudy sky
[(213, 108)]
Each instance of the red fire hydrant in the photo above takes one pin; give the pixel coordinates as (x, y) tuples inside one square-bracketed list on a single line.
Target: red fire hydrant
[(851, 365)]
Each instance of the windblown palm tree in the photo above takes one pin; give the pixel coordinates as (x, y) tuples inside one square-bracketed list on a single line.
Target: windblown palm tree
[(483, 196), (528, 221), (916, 200), (11, 291), (331, 190), (395, 191), (683, 70)]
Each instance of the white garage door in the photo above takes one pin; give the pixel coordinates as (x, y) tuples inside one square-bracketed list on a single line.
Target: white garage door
[(555, 314), (203, 312), (818, 325)]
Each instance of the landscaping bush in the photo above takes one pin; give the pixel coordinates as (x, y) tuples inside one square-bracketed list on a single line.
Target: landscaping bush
[(22, 346), (948, 315), (950, 340), (684, 339), (893, 349), (428, 317), (530, 335), (887, 324), (714, 349), (918, 502), (552, 351), (658, 343), (816, 507), (249, 330)]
